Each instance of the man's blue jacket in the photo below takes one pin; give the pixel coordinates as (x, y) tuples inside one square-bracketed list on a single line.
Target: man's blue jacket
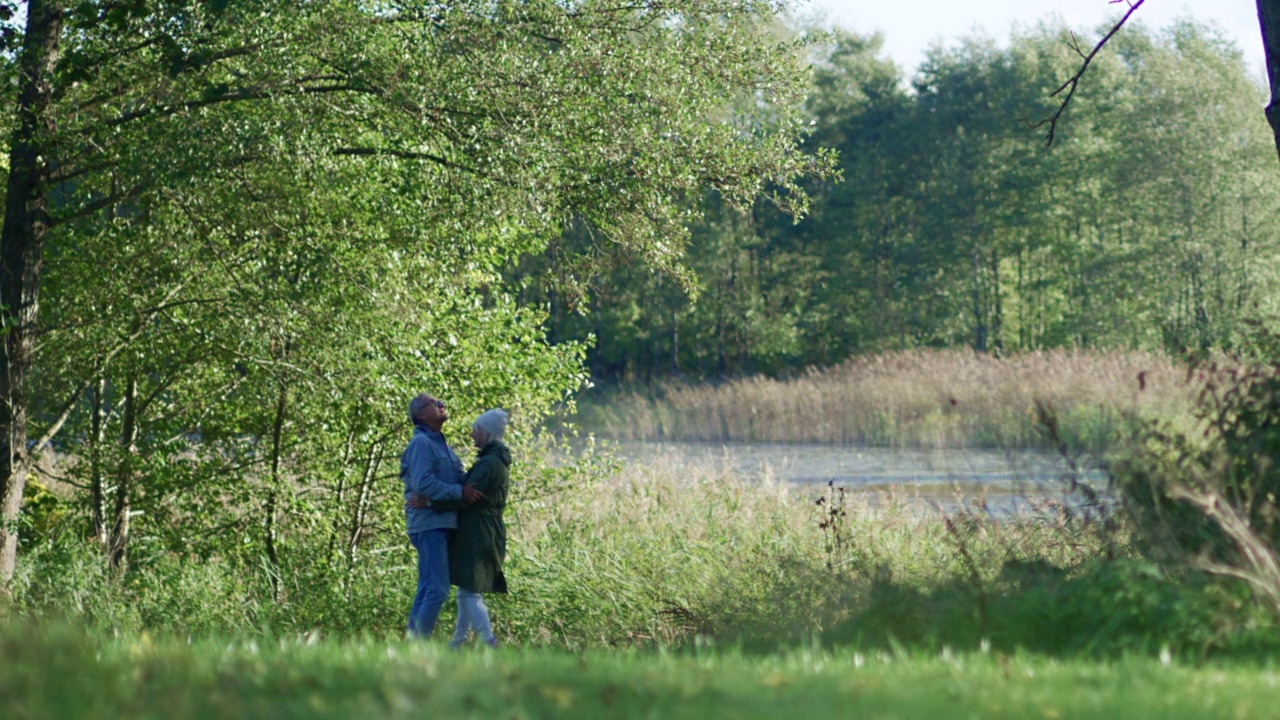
[(429, 468)]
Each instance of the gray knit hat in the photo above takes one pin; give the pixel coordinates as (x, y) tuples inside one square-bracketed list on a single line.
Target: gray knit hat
[(492, 422)]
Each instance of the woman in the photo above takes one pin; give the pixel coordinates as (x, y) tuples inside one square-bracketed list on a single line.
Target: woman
[(478, 548)]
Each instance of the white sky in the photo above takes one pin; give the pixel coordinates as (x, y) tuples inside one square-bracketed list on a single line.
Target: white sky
[(910, 26)]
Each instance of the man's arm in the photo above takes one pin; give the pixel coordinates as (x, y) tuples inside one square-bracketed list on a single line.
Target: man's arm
[(469, 496)]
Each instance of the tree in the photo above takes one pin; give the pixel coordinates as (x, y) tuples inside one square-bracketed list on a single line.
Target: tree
[(1148, 224), (464, 129), (1268, 23)]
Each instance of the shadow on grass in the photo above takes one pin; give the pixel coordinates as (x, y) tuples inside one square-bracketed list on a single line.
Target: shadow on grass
[(1102, 609)]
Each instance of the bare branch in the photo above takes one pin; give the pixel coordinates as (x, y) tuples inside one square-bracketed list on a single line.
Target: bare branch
[(62, 416), (1074, 81)]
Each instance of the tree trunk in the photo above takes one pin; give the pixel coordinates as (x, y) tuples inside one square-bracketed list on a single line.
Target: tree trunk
[(272, 506), (597, 360), (361, 509), (675, 343), (1269, 21), (97, 435), (124, 477), (997, 310), (979, 318), (26, 223), (340, 494), (1022, 303)]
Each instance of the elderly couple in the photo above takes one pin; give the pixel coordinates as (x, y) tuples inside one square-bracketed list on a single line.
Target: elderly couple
[(455, 519)]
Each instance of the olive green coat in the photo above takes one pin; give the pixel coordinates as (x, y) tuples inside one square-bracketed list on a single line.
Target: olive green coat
[(479, 546)]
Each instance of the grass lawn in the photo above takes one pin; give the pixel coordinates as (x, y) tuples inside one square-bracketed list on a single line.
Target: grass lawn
[(60, 673)]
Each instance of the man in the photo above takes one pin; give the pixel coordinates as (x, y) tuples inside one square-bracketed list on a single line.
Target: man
[(430, 469)]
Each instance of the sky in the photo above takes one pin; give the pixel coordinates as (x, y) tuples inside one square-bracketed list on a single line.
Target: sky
[(910, 26)]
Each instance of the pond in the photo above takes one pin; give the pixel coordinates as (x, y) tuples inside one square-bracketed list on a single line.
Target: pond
[(1006, 480)]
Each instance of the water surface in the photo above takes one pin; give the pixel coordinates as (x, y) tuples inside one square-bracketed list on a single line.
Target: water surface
[(1003, 479)]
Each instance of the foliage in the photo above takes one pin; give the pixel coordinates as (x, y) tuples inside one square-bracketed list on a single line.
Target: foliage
[(1103, 608), (680, 555), (1204, 490), (270, 224), (1149, 225)]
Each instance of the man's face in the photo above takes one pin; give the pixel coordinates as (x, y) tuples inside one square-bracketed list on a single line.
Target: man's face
[(434, 413)]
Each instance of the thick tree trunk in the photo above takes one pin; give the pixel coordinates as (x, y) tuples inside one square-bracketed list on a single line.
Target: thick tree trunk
[(1269, 20), (26, 223)]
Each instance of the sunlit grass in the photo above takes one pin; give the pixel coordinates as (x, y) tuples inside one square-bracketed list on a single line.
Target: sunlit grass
[(943, 398), (57, 672)]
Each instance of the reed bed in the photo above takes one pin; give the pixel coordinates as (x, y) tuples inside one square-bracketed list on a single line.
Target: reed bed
[(921, 398)]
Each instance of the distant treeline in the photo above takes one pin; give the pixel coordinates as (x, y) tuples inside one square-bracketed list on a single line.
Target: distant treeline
[(1150, 223)]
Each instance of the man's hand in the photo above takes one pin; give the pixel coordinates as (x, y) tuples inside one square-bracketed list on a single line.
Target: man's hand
[(418, 502), (470, 494)]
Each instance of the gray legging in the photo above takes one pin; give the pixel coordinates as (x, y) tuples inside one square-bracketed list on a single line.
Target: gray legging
[(472, 615)]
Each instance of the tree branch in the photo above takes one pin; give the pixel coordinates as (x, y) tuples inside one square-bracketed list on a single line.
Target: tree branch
[(99, 204), (1074, 81), (404, 155), (237, 95), (62, 416)]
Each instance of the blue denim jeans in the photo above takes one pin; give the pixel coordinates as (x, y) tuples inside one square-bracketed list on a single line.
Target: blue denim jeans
[(433, 580), (472, 615)]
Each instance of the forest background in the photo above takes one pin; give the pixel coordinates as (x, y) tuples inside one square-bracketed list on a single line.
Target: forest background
[(1150, 225), (240, 235)]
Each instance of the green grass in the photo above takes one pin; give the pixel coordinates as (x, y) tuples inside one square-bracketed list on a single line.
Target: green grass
[(62, 673)]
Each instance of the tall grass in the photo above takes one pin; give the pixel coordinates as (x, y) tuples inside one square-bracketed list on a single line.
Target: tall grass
[(929, 398), (672, 554)]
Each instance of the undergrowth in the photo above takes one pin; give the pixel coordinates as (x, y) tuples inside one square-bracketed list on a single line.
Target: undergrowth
[(668, 554)]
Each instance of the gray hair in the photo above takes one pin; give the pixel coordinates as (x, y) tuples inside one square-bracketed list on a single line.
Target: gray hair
[(492, 423), (417, 405)]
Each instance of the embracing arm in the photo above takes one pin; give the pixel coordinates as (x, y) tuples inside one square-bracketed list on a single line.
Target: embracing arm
[(488, 476)]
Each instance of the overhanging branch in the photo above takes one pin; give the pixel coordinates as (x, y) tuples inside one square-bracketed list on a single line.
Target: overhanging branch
[(1074, 81)]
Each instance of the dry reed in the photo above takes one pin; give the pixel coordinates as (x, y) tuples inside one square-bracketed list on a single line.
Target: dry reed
[(942, 398)]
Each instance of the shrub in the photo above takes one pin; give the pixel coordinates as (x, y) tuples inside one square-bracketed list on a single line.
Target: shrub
[(1205, 490)]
